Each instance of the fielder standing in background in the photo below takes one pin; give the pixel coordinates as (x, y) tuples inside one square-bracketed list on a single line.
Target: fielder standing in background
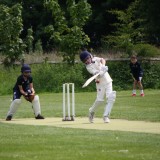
[(137, 74), (24, 86), (96, 65)]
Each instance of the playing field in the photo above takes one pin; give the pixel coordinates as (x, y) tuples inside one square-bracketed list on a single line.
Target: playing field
[(134, 131), (115, 125)]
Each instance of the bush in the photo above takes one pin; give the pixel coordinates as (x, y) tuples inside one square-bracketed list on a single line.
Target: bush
[(50, 77), (120, 74), (151, 75), (146, 50)]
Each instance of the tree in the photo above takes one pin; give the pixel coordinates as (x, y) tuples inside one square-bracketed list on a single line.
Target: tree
[(67, 30), (129, 29), (38, 47), (11, 45), (150, 11), (29, 40), (99, 25)]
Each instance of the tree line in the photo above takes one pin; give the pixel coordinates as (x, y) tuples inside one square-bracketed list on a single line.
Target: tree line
[(28, 26)]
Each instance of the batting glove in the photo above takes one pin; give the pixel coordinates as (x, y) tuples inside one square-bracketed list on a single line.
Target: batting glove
[(104, 68), (101, 73)]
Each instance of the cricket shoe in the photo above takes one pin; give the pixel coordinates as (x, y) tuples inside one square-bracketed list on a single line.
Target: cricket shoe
[(91, 117), (39, 117), (106, 119), (142, 95), (9, 118), (133, 95)]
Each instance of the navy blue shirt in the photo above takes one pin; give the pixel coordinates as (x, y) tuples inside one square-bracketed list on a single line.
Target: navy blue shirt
[(136, 70), (22, 82)]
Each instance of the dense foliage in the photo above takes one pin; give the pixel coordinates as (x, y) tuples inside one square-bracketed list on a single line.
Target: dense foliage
[(65, 26), (11, 45), (50, 77)]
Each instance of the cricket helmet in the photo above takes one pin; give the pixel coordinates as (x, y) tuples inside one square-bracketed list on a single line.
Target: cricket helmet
[(25, 68), (84, 55)]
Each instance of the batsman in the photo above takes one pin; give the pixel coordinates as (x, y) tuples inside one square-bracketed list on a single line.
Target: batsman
[(96, 65), (24, 86)]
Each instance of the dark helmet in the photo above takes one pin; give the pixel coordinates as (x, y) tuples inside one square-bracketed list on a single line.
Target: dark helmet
[(25, 68), (84, 55)]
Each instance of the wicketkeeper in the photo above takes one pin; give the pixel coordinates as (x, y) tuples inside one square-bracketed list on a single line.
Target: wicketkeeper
[(96, 65), (24, 86)]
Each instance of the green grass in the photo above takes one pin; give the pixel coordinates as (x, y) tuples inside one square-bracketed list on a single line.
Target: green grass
[(51, 143), (43, 142), (126, 107)]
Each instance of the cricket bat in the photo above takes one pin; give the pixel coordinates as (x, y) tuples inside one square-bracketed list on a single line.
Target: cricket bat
[(90, 80)]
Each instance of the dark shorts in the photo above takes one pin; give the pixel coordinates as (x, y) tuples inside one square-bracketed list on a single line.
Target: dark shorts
[(16, 95), (137, 78)]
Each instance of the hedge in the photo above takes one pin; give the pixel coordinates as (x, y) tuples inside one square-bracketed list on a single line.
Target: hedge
[(50, 77)]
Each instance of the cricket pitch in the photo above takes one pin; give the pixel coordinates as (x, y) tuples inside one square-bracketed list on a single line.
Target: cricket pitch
[(114, 125)]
